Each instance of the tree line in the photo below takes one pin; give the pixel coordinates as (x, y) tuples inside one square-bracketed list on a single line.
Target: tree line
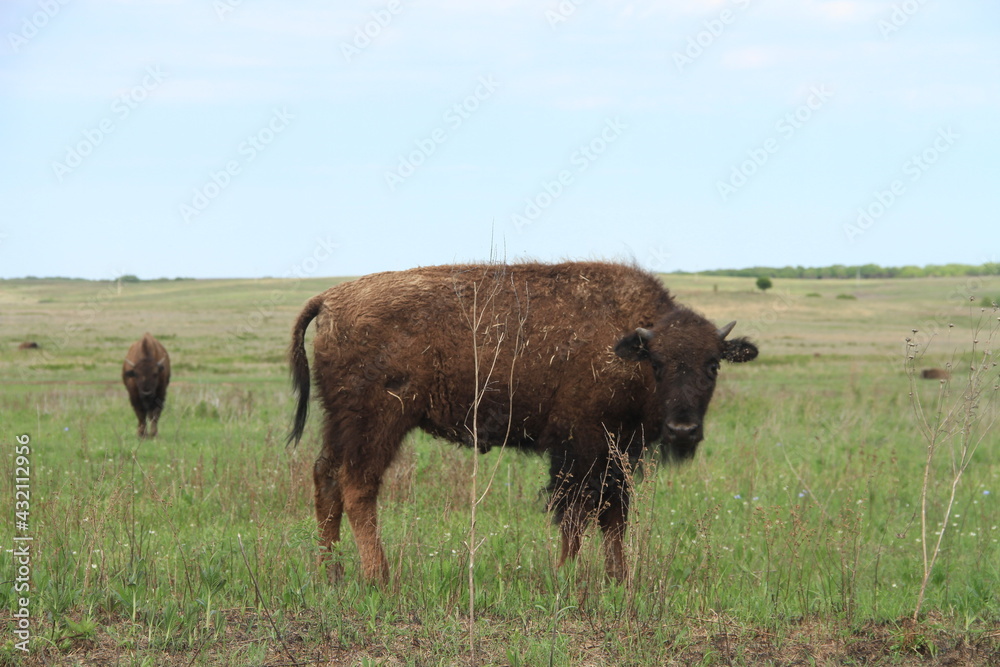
[(862, 271)]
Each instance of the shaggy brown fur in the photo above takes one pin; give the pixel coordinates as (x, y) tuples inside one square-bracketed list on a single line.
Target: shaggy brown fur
[(591, 362), (146, 374), (935, 374), (28, 345)]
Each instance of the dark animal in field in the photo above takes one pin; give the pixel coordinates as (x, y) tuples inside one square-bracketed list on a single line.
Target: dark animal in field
[(935, 374), (28, 345), (146, 374), (592, 363)]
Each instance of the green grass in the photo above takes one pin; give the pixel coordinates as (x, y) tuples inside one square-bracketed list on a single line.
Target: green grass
[(792, 536)]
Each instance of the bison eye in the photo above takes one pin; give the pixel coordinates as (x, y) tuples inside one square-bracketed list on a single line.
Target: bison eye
[(713, 367)]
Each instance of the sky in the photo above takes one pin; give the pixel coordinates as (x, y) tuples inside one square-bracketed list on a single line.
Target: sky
[(257, 138)]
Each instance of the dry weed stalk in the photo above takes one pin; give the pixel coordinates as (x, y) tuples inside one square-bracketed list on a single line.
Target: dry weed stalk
[(490, 328), (958, 425)]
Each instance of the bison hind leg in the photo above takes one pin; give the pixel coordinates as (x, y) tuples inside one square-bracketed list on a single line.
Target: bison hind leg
[(348, 477), (361, 504), (329, 511)]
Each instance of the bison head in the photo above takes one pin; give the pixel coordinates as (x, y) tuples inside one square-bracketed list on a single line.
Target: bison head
[(684, 350), (146, 373)]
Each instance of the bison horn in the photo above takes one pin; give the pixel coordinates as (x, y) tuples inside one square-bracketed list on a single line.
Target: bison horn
[(129, 362), (160, 362), (724, 331)]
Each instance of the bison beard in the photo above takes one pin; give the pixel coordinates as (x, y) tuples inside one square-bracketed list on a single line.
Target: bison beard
[(593, 363)]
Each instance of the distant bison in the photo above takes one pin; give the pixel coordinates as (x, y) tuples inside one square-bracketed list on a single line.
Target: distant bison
[(593, 363), (935, 374), (146, 374), (28, 345)]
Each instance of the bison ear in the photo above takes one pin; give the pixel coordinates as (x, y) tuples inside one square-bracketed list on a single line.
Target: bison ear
[(739, 350), (634, 347)]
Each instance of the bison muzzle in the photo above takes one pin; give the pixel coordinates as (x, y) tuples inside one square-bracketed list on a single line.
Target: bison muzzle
[(592, 363)]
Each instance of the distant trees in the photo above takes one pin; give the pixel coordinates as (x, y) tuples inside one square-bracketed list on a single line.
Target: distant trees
[(864, 271), (764, 283)]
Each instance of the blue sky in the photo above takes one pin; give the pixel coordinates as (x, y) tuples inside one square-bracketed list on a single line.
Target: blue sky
[(229, 138)]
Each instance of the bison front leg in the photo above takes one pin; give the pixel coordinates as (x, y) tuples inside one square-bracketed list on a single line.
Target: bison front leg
[(572, 525), (140, 414), (329, 511), (613, 520), (571, 501), (154, 420), (138, 408)]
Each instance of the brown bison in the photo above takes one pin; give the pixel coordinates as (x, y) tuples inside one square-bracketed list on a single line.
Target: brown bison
[(593, 363), (146, 374), (28, 345), (935, 374)]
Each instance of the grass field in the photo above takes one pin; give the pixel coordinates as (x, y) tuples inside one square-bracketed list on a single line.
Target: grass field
[(794, 537)]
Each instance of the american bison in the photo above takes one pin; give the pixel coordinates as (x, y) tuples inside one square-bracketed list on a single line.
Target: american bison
[(592, 363), (28, 345), (935, 374), (146, 374)]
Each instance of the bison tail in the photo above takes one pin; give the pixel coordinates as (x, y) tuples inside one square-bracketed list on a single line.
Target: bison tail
[(299, 363)]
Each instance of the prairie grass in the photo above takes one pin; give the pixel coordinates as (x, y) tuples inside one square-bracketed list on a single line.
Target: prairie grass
[(794, 535)]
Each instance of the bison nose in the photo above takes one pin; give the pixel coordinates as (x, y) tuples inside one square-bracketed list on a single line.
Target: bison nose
[(682, 429)]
